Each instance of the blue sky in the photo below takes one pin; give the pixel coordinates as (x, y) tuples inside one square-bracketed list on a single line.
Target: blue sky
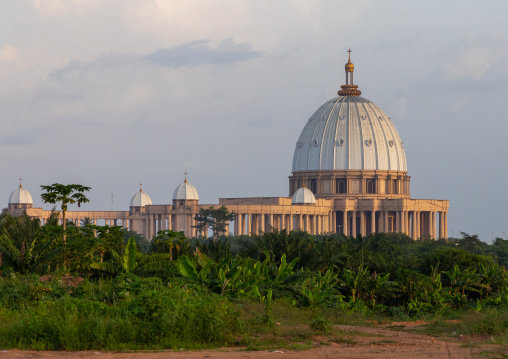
[(108, 93)]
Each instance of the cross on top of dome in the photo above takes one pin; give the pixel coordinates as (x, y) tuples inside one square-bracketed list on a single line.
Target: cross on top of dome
[(349, 89)]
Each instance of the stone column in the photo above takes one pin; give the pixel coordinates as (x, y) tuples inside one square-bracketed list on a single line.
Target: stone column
[(344, 223), (373, 222), (353, 230), (441, 225), (429, 224), (413, 234), (418, 225), (262, 223), (290, 225), (237, 225), (397, 221), (253, 224), (408, 225), (334, 222), (385, 215), (404, 221), (445, 234), (362, 223), (436, 230)]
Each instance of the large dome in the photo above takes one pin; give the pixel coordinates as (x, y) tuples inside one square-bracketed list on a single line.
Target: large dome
[(185, 191), (20, 196), (349, 133)]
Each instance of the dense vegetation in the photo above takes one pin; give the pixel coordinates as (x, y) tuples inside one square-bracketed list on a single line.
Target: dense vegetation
[(105, 287)]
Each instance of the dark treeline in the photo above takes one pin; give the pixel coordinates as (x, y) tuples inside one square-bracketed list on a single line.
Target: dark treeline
[(107, 288), (381, 271)]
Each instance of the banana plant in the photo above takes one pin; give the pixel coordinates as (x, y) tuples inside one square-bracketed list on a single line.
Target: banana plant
[(355, 281), (131, 261), (492, 278), (460, 281), (377, 284), (319, 289)]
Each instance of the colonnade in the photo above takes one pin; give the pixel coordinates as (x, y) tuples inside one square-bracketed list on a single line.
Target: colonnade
[(107, 221), (416, 224), (175, 222), (256, 223)]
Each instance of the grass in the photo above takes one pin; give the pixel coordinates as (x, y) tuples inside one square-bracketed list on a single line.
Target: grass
[(492, 324), (130, 313), (297, 328)]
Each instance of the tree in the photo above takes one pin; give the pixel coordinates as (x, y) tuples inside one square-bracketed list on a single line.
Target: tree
[(173, 243), (22, 244), (214, 218), (67, 194)]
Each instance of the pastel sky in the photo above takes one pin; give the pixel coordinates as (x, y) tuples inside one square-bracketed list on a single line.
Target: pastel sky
[(108, 93)]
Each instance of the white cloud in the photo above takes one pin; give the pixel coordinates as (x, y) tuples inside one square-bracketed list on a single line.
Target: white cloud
[(8, 53), (474, 57), (51, 7), (59, 8)]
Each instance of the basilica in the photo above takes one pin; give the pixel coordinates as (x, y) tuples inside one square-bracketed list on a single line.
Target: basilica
[(349, 176)]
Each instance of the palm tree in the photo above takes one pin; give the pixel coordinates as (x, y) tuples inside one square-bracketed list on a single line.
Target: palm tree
[(66, 194), (23, 245)]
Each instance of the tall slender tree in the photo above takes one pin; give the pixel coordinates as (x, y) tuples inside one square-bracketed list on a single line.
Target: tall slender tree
[(67, 194)]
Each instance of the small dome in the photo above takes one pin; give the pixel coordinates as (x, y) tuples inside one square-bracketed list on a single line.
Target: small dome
[(185, 191), (303, 195), (140, 199), (350, 67), (20, 196)]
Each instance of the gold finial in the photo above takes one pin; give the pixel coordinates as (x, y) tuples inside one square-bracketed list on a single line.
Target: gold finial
[(20, 185), (140, 186), (185, 173), (349, 89)]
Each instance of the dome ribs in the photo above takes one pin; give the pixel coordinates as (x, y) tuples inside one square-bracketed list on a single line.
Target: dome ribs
[(355, 141), (341, 152)]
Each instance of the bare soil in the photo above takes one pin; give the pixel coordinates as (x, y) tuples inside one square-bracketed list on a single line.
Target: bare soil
[(362, 342)]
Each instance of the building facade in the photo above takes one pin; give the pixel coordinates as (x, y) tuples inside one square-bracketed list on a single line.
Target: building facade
[(349, 175)]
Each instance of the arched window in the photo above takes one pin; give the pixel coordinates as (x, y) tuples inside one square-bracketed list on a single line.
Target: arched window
[(313, 186), (371, 186), (394, 188), (341, 186)]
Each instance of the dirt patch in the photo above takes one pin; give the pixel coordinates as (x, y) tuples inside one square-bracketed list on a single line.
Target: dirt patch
[(352, 342)]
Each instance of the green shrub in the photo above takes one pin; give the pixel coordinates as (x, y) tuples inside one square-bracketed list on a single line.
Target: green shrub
[(109, 315), (321, 324)]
